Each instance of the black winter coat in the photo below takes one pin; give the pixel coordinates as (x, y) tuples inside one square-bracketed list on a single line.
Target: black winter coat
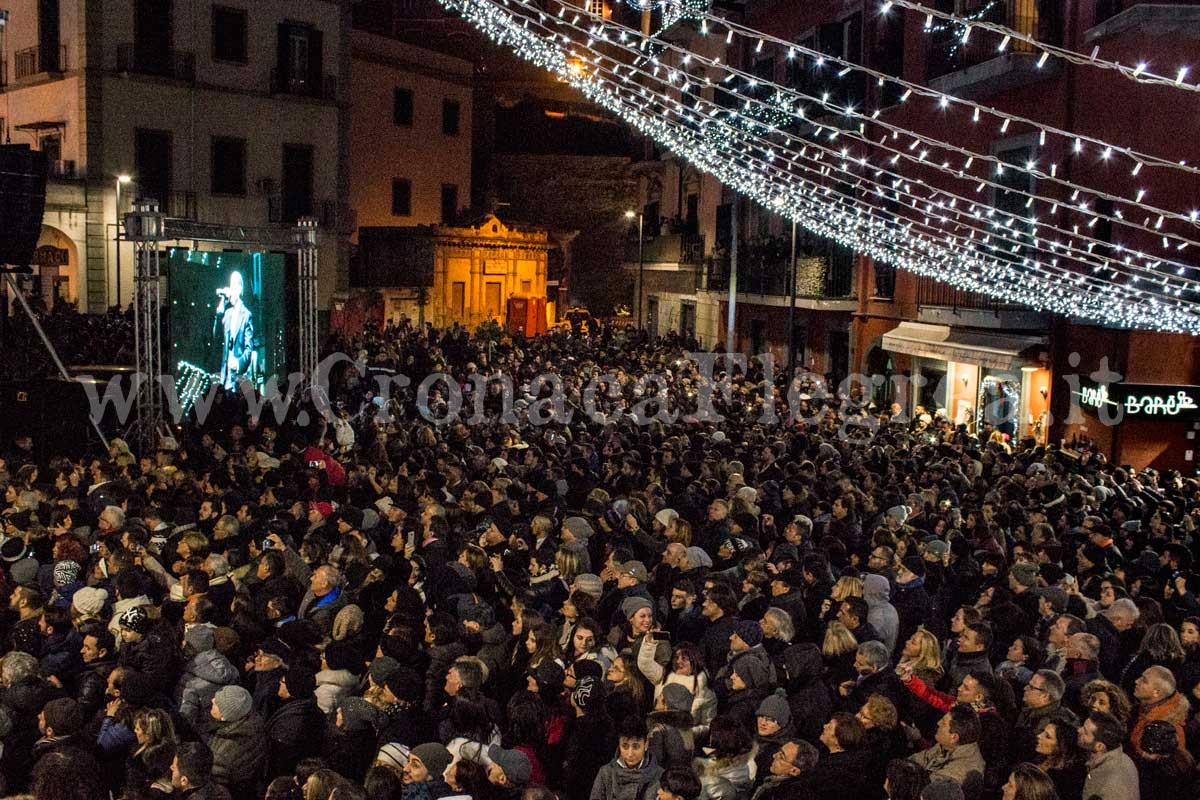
[(290, 736)]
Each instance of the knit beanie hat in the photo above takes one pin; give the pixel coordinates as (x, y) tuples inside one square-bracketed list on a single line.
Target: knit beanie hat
[(357, 714), (347, 623), (394, 755), (405, 684), (633, 605), (751, 671), (65, 572), (136, 620), (380, 669), (233, 702), (775, 706), (200, 638), (1158, 738), (89, 601), (434, 756), (514, 763), (549, 676), (677, 697), (590, 584), (749, 632), (25, 571), (1024, 574), (588, 668)]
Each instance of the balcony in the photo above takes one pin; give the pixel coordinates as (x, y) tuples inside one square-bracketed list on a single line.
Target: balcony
[(977, 68), (39, 60), (684, 249), (172, 64), (940, 303), (1154, 18), (287, 83), (824, 281)]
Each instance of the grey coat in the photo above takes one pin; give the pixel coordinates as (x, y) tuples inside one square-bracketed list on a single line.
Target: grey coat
[(1113, 776), (205, 675)]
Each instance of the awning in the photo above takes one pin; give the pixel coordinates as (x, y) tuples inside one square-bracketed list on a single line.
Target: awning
[(945, 343)]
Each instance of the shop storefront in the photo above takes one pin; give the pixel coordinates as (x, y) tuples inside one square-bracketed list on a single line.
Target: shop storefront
[(982, 380)]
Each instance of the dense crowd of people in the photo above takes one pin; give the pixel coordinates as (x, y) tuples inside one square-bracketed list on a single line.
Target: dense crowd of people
[(79, 339), (857, 604)]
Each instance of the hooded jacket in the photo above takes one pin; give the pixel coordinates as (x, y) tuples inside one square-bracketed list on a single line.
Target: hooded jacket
[(881, 614), (615, 781), (727, 778), (204, 675), (808, 694), (332, 685), (704, 704)]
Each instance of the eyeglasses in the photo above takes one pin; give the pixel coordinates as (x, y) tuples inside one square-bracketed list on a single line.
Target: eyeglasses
[(1036, 688)]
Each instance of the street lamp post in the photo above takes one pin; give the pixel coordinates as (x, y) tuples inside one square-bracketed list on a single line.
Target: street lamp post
[(117, 235), (641, 263)]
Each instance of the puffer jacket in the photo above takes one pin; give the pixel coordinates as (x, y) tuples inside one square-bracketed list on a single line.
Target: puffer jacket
[(332, 685), (727, 778), (204, 676), (239, 752)]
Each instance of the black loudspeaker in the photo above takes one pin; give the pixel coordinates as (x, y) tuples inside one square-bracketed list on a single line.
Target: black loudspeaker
[(22, 202)]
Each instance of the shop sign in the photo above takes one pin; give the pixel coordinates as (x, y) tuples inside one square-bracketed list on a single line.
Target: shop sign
[(50, 256), (1143, 400)]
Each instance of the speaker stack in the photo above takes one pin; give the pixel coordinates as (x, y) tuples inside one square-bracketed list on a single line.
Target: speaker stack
[(22, 203)]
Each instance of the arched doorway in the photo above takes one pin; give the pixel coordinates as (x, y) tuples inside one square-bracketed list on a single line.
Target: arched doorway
[(55, 268)]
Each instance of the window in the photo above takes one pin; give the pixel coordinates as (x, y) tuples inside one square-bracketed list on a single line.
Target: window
[(596, 7), (1011, 195), (526, 288), (402, 107), (449, 203), (228, 166), (450, 112), (401, 197), (229, 42)]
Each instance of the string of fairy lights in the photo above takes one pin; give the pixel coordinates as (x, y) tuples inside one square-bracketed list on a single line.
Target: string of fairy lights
[(965, 24), (1079, 144), (526, 22), (874, 230), (846, 162), (1165, 267)]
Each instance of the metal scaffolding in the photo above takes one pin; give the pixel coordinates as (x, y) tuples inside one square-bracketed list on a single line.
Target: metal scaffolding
[(148, 229)]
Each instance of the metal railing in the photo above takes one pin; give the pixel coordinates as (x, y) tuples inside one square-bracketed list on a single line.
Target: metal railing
[(299, 85), (37, 60), (932, 292), (174, 64), (668, 248), (829, 276), (1041, 19), (1106, 9)]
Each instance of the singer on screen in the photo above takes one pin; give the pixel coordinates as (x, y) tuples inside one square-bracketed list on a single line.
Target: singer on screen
[(233, 320)]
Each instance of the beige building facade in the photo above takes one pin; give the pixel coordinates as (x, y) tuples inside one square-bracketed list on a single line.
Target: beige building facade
[(227, 112)]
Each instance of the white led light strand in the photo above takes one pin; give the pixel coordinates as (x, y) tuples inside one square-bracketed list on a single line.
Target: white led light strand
[(1177, 268), (1138, 73), (750, 34), (853, 229)]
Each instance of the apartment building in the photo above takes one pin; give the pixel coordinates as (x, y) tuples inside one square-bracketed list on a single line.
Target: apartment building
[(227, 112)]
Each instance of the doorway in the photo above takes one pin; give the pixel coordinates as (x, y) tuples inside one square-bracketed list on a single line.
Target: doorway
[(297, 182)]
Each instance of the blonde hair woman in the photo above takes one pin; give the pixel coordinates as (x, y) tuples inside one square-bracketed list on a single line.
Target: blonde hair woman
[(838, 651), (922, 656)]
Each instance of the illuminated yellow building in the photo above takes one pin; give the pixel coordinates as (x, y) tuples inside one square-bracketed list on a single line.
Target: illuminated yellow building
[(445, 274)]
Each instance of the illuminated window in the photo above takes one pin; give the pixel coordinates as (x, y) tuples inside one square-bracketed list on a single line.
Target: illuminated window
[(595, 7)]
